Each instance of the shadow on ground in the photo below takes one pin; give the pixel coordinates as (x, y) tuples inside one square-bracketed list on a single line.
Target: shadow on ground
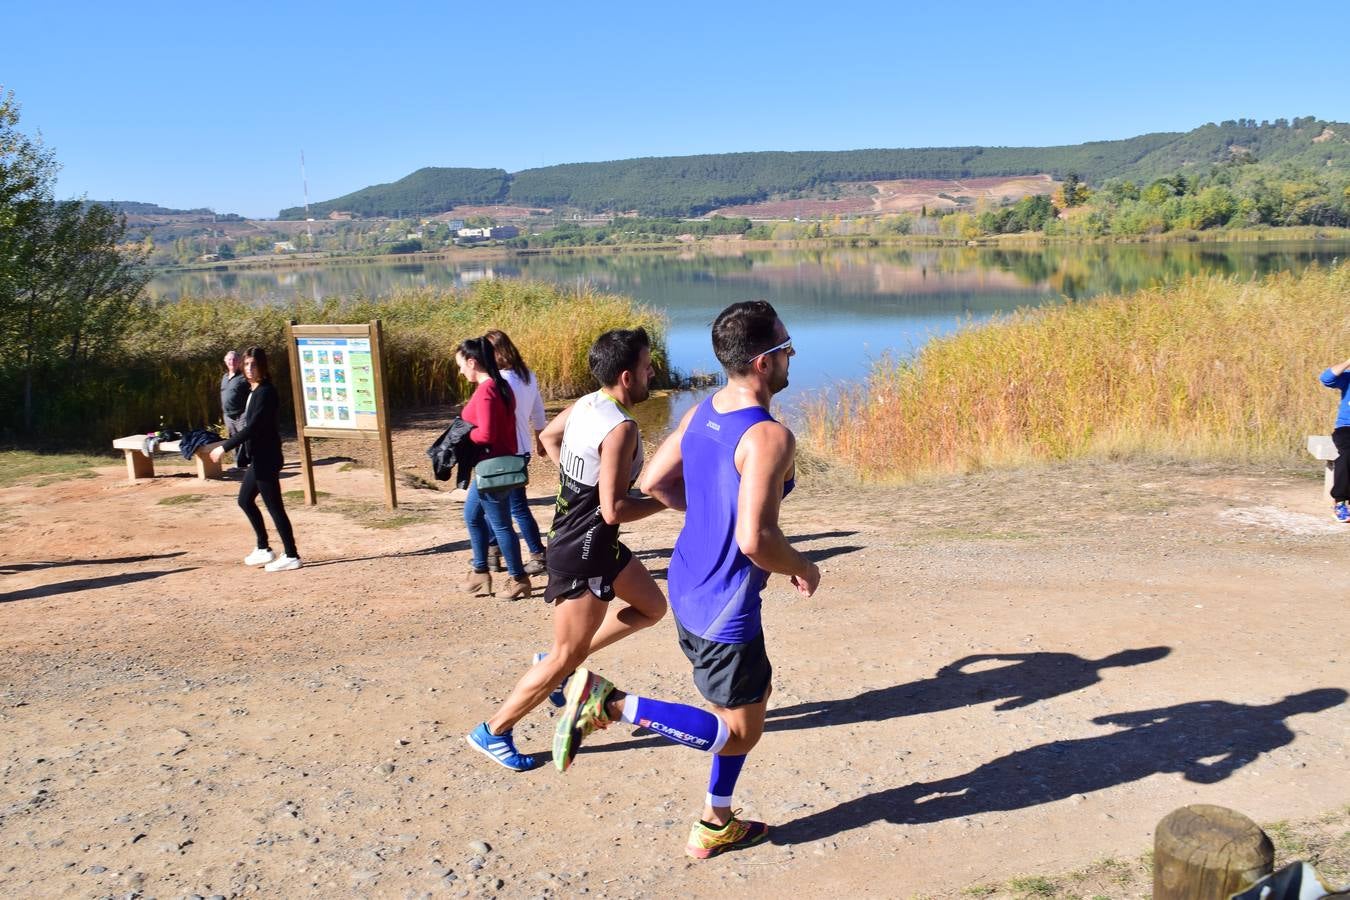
[(1028, 678), (1204, 741), (15, 568), (451, 547), (86, 584)]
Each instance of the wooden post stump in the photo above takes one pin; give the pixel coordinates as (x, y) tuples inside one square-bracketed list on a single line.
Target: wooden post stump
[(1322, 447), (1204, 852)]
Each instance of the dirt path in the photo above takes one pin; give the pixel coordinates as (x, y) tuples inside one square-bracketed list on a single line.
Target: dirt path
[(172, 723)]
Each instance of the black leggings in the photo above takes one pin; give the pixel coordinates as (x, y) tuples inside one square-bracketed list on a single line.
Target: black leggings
[(1340, 479), (270, 488)]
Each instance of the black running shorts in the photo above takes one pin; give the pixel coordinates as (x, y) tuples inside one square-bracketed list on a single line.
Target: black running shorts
[(727, 675), (562, 586)]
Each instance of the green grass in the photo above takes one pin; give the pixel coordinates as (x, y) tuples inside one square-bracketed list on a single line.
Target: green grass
[(41, 469), (1209, 368), (1287, 841), (367, 513), (181, 500), (299, 496), (1034, 886)]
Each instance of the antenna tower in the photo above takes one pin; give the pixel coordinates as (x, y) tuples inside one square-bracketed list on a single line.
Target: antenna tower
[(309, 232)]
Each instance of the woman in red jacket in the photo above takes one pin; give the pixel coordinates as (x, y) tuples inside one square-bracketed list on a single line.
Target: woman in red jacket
[(491, 410)]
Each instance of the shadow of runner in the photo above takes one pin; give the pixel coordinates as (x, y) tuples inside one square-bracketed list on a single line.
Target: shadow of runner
[(86, 584), (14, 568), (1029, 678), (1204, 741)]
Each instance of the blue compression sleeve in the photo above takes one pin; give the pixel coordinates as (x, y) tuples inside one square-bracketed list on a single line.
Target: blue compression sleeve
[(677, 722), (722, 779)]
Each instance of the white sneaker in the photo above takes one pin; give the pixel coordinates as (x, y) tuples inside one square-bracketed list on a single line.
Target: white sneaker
[(283, 564), (259, 557)]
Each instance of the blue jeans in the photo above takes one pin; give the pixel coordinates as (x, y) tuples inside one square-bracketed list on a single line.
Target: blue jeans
[(489, 514), (529, 529)]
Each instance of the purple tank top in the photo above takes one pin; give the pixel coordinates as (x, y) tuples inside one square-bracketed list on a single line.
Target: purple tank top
[(714, 587)]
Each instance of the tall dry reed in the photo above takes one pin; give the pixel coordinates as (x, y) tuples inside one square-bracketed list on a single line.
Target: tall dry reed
[(1211, 367), (172, 360)]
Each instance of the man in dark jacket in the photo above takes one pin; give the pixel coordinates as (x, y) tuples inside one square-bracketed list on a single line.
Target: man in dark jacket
[(233, 397)]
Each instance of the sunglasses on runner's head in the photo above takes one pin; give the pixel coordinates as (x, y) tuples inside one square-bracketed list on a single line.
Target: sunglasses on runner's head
[(786, 345)]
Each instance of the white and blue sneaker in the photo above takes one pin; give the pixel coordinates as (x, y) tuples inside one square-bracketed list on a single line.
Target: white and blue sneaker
[(1342, 511), (557, 696), (500, 748)]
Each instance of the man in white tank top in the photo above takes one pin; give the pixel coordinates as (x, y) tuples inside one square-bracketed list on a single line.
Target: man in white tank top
[(598, 449)]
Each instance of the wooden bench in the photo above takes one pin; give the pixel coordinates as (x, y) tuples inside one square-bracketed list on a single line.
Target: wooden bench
[(1321, 447), (142, 465)]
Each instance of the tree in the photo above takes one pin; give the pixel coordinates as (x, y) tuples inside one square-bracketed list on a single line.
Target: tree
[(1073, 192), (67, 289), (26, 172)]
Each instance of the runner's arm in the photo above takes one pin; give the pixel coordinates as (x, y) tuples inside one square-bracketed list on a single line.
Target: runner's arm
[(1337, 370), (551, 437), (765, 458), (663, 478), (538, 420), (616, 469)]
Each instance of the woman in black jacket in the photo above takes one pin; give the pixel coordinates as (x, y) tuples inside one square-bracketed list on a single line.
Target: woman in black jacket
[(261, 440)]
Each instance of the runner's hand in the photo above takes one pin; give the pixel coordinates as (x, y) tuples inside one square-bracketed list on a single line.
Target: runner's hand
[(806, 584), (217, 453)]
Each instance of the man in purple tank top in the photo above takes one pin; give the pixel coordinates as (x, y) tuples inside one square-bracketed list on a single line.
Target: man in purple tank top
[(728, 466)]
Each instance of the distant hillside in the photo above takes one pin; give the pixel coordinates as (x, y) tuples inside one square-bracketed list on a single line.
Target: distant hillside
[(424, 192), (694, 185), (135, 208)]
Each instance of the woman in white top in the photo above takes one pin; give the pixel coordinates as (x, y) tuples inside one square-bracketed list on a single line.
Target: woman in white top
[(530, 420)]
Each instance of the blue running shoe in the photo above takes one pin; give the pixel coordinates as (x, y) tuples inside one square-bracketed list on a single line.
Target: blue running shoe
[(499, 748), (557, 696), (1342, 510)]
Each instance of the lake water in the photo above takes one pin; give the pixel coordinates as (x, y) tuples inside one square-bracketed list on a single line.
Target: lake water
[(843, 307)]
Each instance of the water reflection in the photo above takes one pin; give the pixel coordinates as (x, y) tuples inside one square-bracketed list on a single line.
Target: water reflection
[(844, 307)]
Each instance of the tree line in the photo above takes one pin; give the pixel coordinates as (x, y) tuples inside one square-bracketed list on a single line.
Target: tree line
[(629, 230)]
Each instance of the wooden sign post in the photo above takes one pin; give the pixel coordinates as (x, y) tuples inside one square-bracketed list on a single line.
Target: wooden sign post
[(337, 378)]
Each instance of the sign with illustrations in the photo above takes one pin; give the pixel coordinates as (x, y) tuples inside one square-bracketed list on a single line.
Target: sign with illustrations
[(338, 379)]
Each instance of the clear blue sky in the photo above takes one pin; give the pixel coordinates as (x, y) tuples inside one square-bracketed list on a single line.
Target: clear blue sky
[(210, 104)]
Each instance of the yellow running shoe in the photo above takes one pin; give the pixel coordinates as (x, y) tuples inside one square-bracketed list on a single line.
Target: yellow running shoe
[(583, 713), (705, 842)]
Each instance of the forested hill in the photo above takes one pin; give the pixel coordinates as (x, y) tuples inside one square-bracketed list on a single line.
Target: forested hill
[(426, 191), (692, 185)]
